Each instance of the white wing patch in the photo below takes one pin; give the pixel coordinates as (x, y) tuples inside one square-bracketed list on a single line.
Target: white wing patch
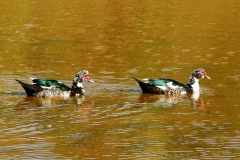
[(162, 87), (45, 87), (32, 79), (146, 79)]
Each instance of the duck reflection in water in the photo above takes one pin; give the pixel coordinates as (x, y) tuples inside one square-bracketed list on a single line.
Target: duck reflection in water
[(169, 100), (79, 103)]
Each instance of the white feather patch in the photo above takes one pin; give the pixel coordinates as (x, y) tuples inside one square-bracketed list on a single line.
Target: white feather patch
[(195, 86), (146, 79), (169, 85), (79, 85), (162, 87), (32, 79), (183, 92), (45, 87)]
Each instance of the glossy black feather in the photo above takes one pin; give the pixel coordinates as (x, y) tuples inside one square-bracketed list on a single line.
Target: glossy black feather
[(148, 88), (30, 88)]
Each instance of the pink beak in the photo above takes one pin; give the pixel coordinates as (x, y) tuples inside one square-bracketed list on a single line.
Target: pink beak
[(207, 77), (91, 81)]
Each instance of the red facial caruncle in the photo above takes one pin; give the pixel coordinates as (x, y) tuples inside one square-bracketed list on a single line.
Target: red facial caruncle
[(87, 78), (204, 74)]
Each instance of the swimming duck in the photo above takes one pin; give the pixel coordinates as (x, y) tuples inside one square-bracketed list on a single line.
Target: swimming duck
[(50, 88), (170, 86)]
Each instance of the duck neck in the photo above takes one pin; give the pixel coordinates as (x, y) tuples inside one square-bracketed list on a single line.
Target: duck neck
[(77, 88), (193, 85)]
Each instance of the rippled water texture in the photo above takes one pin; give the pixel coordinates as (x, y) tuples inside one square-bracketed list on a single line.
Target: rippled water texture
[(117, 40)]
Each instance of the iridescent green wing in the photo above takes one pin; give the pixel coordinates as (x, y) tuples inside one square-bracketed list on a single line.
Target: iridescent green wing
[(51, 83), (174, 83), (157, 82), (164, 81)]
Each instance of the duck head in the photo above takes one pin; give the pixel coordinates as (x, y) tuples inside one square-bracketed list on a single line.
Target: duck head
[(200, 73), (80, 77)]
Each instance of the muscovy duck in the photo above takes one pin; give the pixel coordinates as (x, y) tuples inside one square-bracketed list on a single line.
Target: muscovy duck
[(169, 86), (50, 88)]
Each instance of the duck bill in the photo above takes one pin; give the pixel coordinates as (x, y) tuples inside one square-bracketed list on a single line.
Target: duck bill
[(91, 81), (207, 77)]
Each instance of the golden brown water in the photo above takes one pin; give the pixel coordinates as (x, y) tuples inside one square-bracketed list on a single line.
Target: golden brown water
[(117, 40)]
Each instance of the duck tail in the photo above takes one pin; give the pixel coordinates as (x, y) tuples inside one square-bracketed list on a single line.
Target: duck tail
[(144, 86), (148, 88), (137, 80), (30, 88)]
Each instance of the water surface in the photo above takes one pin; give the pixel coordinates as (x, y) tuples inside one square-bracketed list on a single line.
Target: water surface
[(116, 41)]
